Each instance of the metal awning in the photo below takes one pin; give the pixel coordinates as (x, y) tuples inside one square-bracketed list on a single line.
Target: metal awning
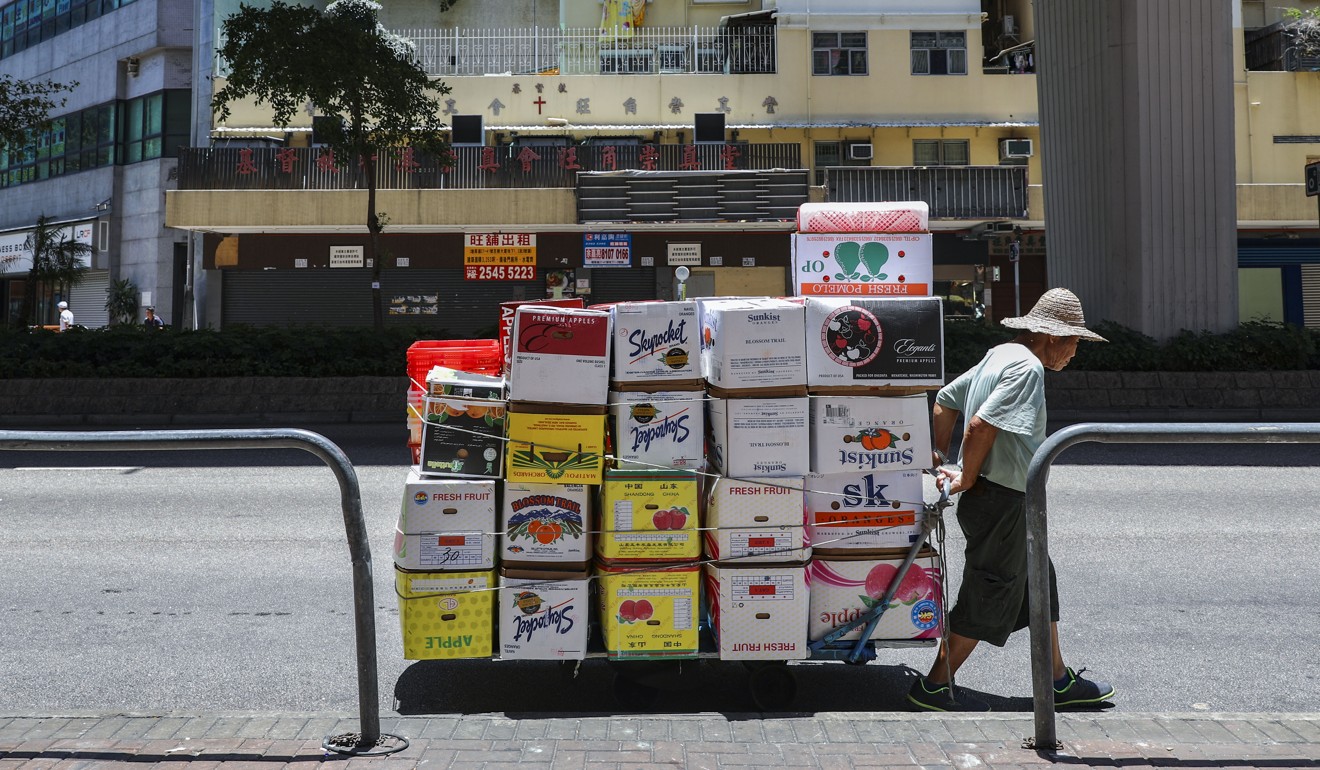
[(750, 18)]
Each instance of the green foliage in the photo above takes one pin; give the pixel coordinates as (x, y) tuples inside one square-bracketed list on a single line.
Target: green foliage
[(25, 107), (56, 263), (966, 342), (237, 351), (1126, 351), (122, 302)]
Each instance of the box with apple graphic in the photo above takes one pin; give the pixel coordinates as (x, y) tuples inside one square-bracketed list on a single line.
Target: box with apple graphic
[(648, 516)]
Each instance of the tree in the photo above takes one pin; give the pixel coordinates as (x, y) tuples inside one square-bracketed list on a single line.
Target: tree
[(25, 107), (347, 64), (57, 262), (122, 302)]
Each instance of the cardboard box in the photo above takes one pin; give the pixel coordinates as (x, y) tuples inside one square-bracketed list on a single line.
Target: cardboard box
[(766, 437), (445, 524), (649, 611), (750, 344), (868, 433), (863, 265), (656, 342), (759, 613), (446, 615), (543, 615), (560, 356), (750, 522), (659, 430), (462, 437), (443, 381), (556, 446), (546, 525), (649, 516), (508, 313), (868, 343), (843, 590), (867, 217), (863, 511)]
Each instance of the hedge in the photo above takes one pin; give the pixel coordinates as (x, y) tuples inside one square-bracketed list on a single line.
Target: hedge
[(301, 351)]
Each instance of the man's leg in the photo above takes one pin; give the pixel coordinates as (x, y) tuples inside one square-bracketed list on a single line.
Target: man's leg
[(951, 656)]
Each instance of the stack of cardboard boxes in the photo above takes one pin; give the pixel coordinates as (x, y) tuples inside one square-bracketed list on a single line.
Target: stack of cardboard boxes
[(649, 544)]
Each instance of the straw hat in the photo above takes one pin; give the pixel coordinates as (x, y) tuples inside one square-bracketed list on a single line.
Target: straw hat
[(1058, 313)]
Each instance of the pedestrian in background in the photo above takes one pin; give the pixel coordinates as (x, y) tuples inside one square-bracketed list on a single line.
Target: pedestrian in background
[(1003, 400), (153, 321), (66, 316)]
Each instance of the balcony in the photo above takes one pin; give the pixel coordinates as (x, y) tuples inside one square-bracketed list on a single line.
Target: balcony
[(505, 166), (549, 51), (952, 192)]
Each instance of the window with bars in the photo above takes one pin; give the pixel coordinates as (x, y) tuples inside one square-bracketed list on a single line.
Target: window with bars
[(939, 53), (941, 152), (838, 53)]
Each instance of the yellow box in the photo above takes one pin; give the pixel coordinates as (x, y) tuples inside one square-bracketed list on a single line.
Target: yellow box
[(446, 615), (649, 611), (649, 516), (555, 448)]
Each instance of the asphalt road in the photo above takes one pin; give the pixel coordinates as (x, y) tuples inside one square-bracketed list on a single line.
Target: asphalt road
[(220, 581)]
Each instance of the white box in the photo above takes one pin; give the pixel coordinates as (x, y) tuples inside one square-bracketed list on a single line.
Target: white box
[(870, 342), (659, 430), (753, 343), (543, 616), (759, 613), (856, 511), (560, 355), (869, 433), (656, 342), (563, 535), (868, 217), (752, 437), (756, 523), (445, 524), (843, 590), (863, 265)]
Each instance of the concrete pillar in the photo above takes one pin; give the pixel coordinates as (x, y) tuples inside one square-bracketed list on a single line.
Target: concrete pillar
[(1136, 113)]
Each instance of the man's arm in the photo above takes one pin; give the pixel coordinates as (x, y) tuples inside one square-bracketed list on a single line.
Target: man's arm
[(977, 440), (943, 418)]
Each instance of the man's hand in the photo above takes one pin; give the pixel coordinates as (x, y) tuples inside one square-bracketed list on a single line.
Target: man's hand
[(953, 477)]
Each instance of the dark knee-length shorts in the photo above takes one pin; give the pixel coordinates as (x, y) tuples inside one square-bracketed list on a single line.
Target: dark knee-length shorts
[(992, 600)]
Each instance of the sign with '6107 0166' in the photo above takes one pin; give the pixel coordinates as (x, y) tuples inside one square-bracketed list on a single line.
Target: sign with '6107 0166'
[(863, 264)]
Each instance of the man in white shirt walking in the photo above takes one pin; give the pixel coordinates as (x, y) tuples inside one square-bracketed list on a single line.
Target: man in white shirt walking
[(66, 316)]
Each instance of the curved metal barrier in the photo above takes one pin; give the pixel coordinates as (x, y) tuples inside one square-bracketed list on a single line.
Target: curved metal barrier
[(369, 740), (1038, 473)]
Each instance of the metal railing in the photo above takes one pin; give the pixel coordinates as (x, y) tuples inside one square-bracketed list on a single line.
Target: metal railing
[(503, 166), (553, 51), (953, 192), (1038, 577), (370, 740)]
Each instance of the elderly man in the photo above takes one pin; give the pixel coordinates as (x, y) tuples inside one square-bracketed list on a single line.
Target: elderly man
[(1003, 398), (66, 316)]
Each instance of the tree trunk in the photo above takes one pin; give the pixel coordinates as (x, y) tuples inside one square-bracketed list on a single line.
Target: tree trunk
[(374, 227)]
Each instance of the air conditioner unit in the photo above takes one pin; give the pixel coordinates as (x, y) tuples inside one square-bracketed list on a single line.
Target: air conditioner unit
[(1015, 148), (859, 151)]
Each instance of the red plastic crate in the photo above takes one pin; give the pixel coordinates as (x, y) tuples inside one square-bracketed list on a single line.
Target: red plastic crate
[(478, 356)]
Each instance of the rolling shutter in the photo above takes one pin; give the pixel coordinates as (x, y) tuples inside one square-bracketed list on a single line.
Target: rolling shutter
[(620, 284), (87, 299), (1311, 296)]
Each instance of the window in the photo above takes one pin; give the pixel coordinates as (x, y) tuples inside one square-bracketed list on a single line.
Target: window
[(939, 53), (833, 155), (940, 152), (838, 53), (25, 23)]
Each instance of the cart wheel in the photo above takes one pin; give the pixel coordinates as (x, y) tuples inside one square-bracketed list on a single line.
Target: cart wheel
[(633, 696), (773, 687)]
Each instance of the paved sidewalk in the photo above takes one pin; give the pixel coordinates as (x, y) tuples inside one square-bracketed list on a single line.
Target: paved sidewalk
[(828, 741)]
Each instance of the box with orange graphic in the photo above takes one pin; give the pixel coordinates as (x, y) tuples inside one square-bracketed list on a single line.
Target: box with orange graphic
[(446, 615), (546, 525), (759, 612), (869, 433), (649, 611), (463, 437), (555, 445), (844, 589), (863, 511), (649, 516)]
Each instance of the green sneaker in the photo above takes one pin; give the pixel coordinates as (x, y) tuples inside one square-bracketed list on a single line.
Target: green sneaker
[(1081, 692), (942, 698)]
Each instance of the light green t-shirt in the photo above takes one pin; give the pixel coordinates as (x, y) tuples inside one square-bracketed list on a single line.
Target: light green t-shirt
[(1007, 390)]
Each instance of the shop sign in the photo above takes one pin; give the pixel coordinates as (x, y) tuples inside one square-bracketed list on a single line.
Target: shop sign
[(499, 249), (606, 250), (16, 255), (500, 272), (347, 256), (685, 254)]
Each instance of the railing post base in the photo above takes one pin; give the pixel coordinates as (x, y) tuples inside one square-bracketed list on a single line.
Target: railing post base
[(352, 744)]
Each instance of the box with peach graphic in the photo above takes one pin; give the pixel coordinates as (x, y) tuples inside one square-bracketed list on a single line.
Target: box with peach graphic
[(648, 516), (844, 589), (869, 433), (649, 611), (462, 437), (863, 511), (759, 612), (446, 615), (749, 522), (546, 525)]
